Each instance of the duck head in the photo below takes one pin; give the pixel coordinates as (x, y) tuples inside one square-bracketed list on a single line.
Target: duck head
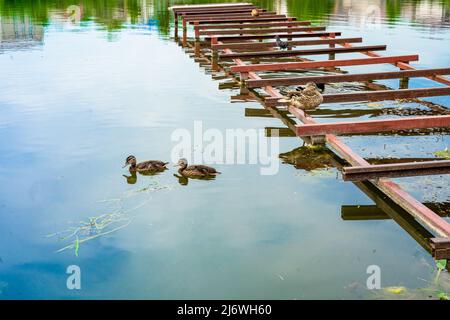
[(130, 161), (182, 163)]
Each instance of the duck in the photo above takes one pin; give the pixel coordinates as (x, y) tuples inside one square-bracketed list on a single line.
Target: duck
[(283, 45), (255, 13), (144, 167), (308, 99), (195, 170)]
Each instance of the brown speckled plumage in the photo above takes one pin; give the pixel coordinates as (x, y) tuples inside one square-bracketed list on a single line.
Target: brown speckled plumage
[(308, 99), (146, 166), (195, 170)]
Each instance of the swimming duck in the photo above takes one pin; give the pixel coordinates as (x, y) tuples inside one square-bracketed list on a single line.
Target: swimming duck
[(255, 13), (307, 99), (195, 170), (143, 167)]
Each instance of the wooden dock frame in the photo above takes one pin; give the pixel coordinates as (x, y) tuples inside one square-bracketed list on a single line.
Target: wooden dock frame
[(421, 213)]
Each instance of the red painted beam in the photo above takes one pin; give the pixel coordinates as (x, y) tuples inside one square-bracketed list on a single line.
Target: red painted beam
[(254, 25), (289, 53), (358, 77), (321, 64), (373, 126), (258, 45), (261, 31), (234, 20)]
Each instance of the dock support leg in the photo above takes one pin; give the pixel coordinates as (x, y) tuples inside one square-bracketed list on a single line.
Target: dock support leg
[(176, 26), (214, 56), (404, 83), (184, 32), (332, 56)]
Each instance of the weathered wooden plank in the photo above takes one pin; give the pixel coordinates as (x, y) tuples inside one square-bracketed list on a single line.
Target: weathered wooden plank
[(440, 248), (253, 25), (234, 20), (290, 53), (219, 11), (373, 126), (395, 174), (379, 95), (272, 36), (186, 7), (289, 81), (259, 45), (320, 64), (359, 173), (188, 18), (260, 31), (397, 166)]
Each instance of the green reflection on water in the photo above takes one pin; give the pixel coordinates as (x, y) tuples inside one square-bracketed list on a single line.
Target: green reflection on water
[(116, 14)]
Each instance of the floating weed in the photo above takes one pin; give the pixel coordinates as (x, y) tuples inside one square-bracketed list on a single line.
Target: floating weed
[(102, 225), (395, 290), (437, 289), (443, 154)]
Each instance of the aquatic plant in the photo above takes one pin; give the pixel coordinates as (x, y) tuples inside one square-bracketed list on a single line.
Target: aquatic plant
[(443, 154), (108, 223)]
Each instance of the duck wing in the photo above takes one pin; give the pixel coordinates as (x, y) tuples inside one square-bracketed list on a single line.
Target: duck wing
[(203, 169), (151, 165)]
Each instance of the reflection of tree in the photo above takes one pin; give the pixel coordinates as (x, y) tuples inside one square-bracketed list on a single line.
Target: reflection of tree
[(317, 10)]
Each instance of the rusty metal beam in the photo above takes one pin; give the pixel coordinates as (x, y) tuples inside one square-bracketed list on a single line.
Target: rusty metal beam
[(272, 36), (320, 64), (253, 25), (373, 125), (238, 19), (289, 81), (379, 95), (290, 53), (260, 45), (260, 31)]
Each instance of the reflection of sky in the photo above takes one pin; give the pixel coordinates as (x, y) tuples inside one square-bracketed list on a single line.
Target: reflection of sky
[(75, 109)]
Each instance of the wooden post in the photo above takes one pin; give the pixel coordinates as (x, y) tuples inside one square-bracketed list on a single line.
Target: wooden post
[(404, 83), (332, 56), (184, 32), (197, 31), (176, 26), (214, 55)]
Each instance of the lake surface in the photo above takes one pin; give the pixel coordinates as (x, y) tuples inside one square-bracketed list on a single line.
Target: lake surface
[(85, 84)]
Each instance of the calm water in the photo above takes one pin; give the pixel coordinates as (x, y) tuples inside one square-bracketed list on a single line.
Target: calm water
[(77, 97)]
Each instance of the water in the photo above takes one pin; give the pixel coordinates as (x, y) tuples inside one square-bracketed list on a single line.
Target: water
[(77, 97)]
